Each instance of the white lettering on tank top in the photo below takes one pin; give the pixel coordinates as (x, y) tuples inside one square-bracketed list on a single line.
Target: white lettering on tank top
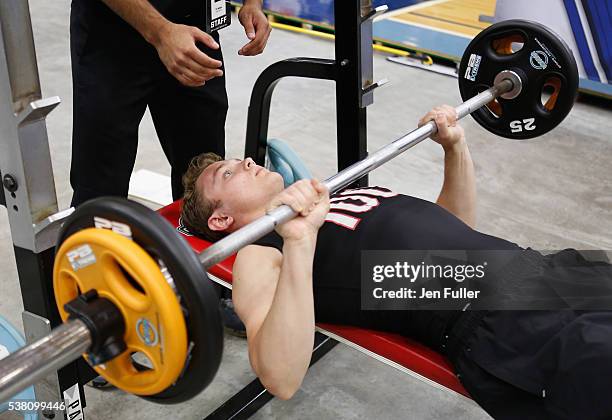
[(367, 203), (369, 191), (343, 220), (357, 200)]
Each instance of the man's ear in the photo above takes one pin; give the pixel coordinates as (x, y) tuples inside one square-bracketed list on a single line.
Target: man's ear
[(219, 221)]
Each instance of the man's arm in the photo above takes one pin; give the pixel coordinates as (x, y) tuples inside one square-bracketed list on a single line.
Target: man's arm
[(458, 194), (256, 27), (273, 296), (175, 44), (141, 15), (273, 292)]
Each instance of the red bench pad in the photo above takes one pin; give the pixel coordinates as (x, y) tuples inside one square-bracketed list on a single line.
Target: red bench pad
[(401, 350)]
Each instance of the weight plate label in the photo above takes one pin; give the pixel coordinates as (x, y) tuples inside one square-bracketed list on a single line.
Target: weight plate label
[(120, 228), (472, 68), (547, 51), (81, 257), (538, 60), (528, 124), (147, 332)]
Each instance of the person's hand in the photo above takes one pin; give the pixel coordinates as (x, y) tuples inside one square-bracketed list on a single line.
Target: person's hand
[(176, 46), (256, 27), (310, 199), (449, 132)]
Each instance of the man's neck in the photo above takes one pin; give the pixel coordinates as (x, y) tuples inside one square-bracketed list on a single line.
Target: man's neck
[(245, 219)]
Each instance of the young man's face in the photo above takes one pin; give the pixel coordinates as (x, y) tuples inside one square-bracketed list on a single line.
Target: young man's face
[(242, 187)]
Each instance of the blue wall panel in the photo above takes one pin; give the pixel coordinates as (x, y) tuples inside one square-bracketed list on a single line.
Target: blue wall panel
[(599, 14), (323, 10)]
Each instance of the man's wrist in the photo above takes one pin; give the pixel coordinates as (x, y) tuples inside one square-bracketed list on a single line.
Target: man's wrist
[(306, 241), (156, 30), (457, 147), (258, 3)]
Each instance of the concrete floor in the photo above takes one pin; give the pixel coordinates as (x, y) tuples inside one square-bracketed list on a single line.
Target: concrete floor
[(550, 193)]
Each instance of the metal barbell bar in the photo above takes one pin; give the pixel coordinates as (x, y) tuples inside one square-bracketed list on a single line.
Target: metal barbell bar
[(510, 82)]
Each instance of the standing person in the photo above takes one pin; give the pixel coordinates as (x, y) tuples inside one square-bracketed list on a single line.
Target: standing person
[(130, 54)]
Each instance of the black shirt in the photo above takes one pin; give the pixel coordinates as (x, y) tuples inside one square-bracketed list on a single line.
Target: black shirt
[(96, 14), (375, 218), (97, 32)]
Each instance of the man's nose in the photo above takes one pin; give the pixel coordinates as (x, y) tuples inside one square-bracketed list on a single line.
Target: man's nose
[(248, 163)]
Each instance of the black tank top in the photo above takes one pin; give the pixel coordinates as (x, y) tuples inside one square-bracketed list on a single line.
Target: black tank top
[(375, 218)]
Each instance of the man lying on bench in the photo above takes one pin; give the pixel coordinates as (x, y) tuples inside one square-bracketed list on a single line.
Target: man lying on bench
[(515, 364)]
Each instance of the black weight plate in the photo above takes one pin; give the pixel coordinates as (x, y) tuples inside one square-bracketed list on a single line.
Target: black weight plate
[(156, 236), (544, 57)]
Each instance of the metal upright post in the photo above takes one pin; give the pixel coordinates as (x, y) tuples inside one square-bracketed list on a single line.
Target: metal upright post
[(28, 188), (350, 111)]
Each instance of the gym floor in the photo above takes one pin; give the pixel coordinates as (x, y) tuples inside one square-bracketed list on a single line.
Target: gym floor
[(550, 193)]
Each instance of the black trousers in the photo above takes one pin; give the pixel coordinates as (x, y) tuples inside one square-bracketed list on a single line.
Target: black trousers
[(116, 75), (538, 365)]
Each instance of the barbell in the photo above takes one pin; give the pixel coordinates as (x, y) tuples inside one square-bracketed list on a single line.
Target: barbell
[(128, 287)]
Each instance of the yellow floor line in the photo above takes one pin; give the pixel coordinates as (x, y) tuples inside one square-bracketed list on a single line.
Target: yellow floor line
[(306, 31), (291, 28)]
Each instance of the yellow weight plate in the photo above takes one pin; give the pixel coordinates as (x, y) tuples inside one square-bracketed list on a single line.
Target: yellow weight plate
[(124, 273)]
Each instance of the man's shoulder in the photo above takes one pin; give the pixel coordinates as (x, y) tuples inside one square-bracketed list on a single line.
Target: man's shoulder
[(257, 254)]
